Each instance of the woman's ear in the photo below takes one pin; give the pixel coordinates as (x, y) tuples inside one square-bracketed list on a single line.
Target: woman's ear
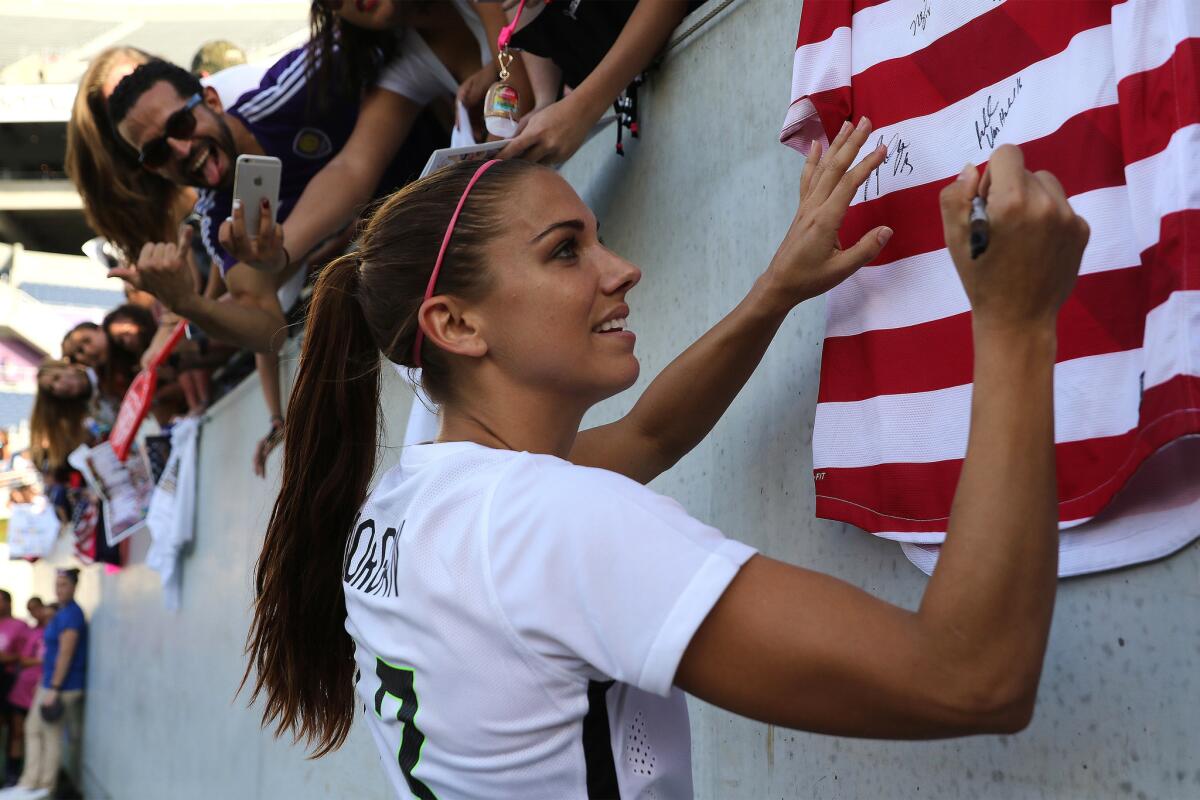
[(448, 326)]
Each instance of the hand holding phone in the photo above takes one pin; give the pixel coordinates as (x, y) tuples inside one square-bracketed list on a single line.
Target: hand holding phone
[(256, 179)]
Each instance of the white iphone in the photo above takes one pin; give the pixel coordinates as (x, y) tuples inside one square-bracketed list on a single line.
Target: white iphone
[(256, 178)]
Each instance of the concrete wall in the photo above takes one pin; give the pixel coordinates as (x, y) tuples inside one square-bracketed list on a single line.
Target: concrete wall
[(700, 203)]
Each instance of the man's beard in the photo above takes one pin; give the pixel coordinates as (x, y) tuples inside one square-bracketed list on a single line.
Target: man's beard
[(223, 144)]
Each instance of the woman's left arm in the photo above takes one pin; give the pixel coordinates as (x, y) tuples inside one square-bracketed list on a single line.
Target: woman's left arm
[(685, 401)]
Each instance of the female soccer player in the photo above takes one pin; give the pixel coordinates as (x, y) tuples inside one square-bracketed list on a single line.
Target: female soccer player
[(519, 615)]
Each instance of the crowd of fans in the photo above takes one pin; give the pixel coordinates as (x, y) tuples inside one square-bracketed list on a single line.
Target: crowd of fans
[(353, 115)]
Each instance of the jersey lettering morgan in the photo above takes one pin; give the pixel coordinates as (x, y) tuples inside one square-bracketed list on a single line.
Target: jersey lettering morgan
[(518, 622)]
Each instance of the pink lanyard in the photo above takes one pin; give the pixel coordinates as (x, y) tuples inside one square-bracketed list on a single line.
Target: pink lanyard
[(507, 31)]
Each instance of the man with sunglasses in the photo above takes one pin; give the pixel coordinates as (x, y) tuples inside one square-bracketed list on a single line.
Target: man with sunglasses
[(182, 132)]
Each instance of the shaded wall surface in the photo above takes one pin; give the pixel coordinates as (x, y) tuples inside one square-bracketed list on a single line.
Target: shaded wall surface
[(700, 202)]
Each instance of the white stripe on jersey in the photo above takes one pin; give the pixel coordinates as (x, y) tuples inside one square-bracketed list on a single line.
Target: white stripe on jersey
[(864, 433), (265, 95), (1164, 182), (883, 32), (1167, 327), (294, 78), (820, 66), (1151, 29), (925, 287)]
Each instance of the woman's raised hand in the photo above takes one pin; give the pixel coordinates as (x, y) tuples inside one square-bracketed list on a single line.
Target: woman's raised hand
[(1037, 242), (263, 251), (810, 260)]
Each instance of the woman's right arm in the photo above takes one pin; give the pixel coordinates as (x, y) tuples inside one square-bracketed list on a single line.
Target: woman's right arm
[(805, 650), (335, 194)]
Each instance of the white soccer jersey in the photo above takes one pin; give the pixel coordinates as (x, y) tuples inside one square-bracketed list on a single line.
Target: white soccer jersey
[(518, 622)]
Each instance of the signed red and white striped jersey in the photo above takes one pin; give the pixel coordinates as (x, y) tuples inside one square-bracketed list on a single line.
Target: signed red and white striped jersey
[(1104, 94)]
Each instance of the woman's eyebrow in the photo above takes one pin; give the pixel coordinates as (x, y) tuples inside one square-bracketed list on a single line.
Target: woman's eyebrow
[(574, 224)]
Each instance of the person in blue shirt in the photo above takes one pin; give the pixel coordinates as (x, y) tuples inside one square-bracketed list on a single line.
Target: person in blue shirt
[(59, 698)]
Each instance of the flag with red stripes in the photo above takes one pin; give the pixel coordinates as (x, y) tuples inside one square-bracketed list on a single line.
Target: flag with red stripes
[(1104, 94)]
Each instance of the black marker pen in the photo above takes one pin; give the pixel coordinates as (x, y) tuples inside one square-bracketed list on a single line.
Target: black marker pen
[(979, 227)]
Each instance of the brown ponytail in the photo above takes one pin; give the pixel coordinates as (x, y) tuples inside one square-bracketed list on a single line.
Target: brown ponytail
[(364, 303), (298, 646)]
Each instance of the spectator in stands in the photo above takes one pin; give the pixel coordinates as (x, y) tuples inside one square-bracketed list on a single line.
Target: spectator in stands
[(86, 344), (110, 368), (127, 205), (276, 119), (596, 49), (130, 328), (214, 56), (13, 636), (184, 133), (437, 51), (62, 412), (59, 698), (122, 202), (34, 605), (20, 698)]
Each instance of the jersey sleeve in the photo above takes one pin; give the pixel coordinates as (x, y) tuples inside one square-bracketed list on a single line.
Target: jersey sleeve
[(210, 228), (406, 76), (600, 577), (821, 69)]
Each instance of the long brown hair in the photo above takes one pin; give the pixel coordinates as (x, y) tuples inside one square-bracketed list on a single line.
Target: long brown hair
[(364, 303), (56, 426), (345, 58), (122, 202)]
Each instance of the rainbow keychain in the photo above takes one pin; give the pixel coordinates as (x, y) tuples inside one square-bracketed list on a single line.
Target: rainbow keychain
[(502, 103)]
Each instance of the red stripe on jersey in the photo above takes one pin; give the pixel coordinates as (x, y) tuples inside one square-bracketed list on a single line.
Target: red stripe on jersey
[(1084, 154), (833, 107), (1174, 262), (820, 18), (938, 355), (818, 21), (1160, 101), (988, 49), (918, 496)]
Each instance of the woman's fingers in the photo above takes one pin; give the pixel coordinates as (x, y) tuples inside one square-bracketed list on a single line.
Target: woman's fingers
[(845, 189), (840, 156), (266, 220), (240, 240), (811, 165), (836, 145), (864, 251)]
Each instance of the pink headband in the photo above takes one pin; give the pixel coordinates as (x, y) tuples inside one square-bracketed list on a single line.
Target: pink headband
[(437, 265)]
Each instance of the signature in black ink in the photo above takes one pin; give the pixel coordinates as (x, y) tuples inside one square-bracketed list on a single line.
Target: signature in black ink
[(921, 19), (994, 114), (898, 156)]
